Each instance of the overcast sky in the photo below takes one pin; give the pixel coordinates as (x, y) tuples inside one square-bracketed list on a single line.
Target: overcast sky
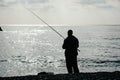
[(69, 12)]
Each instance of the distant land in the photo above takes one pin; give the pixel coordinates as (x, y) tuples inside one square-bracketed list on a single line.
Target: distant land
[(1, 29)]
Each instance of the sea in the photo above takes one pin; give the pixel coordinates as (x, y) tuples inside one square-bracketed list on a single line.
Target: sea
[(31, 49)]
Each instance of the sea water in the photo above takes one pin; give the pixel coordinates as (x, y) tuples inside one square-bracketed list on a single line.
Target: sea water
[(28, 50)]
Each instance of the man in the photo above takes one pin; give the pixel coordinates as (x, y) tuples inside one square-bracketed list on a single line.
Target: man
[(70, 45)]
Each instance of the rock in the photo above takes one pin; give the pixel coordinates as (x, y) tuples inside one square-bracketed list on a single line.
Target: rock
[(45, 73)]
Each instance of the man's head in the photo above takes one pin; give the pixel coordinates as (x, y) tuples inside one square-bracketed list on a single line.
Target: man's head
[(70, 32)]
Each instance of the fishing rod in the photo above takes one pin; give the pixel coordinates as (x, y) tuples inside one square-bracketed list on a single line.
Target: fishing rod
[(46, 23)]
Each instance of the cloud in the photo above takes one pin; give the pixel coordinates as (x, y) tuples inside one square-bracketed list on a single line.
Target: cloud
[(114, 3), (32, 1), (36, 1), (6, 3), (104, 4), (91, 2)]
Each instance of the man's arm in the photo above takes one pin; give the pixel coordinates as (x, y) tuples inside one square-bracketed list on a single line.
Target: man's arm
[(77, 44), (63, 46)]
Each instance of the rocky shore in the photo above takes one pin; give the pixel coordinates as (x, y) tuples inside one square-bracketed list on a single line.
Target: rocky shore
[(81, 76)]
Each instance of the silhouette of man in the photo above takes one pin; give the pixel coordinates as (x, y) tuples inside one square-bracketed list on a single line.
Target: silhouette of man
[(70, 45)]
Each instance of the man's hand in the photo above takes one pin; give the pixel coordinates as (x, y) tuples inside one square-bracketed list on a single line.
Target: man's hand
[(78, 50)]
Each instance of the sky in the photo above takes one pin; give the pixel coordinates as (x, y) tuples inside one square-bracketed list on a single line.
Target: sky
[(60, 12)]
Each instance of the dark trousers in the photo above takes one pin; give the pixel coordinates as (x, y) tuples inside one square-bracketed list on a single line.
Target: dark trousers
[(71, 64)]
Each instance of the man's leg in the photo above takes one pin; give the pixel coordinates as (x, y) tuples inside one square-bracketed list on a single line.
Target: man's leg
[(69, 67), (68, 64), (75, 65)]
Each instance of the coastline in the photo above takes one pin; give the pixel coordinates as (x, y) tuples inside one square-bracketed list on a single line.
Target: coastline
[(81, 76)]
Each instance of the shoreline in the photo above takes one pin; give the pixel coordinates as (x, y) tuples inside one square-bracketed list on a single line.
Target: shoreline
[(80, 76)]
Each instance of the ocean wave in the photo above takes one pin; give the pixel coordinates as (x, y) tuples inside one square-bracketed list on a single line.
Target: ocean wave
[(108, 61), (115, 47), (42, 61), (112, 38), (3, 60), (97, 61)]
